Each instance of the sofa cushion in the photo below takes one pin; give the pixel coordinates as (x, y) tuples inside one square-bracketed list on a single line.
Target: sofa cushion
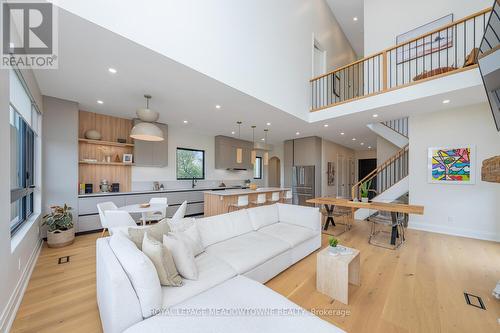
[(123, 230), (183, 256), (232, 296), (290, 233), (211, 272), (191, 237), (141, 272), (308, 217), (248, 251), (263, 215), (156, 231), (215, 229)]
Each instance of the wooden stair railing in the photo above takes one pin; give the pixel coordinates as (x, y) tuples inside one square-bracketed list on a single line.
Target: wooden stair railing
[(387, 174), (447, 50), (399, 126)]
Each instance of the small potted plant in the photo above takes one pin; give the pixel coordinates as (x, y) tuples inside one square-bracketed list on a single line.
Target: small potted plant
[(333, 242), (365, 190), (60, 228)]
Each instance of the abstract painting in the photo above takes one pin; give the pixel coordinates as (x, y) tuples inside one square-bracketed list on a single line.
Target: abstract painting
[(451, 165)]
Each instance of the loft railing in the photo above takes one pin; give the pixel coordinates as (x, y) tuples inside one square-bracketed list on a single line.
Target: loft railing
[(387, 174), (447, 50), (398, 125)]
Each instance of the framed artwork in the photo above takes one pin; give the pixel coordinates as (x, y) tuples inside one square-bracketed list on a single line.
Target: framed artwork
[(330, 174), (452, 165), (127, 158), (436, 42)]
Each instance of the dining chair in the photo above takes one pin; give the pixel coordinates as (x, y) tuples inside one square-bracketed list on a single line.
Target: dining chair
[(118, 218), (180, 212), (242, 202), (101, 208), (158, 215)]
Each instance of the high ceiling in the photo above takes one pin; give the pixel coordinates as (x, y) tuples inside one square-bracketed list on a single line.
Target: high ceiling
[(345, 12)]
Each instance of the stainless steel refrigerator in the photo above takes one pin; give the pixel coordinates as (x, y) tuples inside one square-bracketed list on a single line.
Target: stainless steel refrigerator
[(302, 184)]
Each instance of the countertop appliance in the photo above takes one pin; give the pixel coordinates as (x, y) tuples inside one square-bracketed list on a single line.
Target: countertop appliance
[(302, 184)]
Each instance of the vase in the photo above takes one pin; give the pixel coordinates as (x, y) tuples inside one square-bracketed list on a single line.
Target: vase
[(334, 249), (364, 199), (60, 238)]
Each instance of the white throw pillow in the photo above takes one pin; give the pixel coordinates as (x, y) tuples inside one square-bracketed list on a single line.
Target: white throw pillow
[(181, 211), (180, 224), (141, 273), (190, 237), (162, 260), (183, 256)]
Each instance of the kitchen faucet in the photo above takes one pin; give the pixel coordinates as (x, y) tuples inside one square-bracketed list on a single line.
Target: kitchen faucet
[(193, 183)]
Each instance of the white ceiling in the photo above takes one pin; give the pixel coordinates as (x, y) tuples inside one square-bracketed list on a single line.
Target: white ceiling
[(344, 11), (86, 51)]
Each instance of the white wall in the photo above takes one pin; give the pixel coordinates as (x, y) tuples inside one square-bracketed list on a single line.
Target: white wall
[(262, 48), (467, 210), (402, 16), (385, 150), (18, 253)]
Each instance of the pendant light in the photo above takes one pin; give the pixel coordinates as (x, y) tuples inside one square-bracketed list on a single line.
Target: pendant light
[(146, 130), (254, 152), (239, 151), (266, 153)]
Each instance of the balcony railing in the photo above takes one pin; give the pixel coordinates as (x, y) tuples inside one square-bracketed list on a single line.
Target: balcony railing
[(450, 49)]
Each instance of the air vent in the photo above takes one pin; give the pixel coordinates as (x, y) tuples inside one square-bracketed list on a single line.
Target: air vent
[(474, 301), (63, 260)]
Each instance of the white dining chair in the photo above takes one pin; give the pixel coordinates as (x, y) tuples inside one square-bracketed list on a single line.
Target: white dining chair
[(101, 208), (118, 218), (261, 200), (275, 197), (242, 202), (158, 215), (180, 212)]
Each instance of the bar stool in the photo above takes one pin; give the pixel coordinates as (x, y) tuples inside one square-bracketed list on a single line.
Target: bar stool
[(261, 200), (241, 203), (275, 197), (287, 197)]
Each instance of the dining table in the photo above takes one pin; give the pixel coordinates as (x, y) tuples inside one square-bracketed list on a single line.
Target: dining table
[(394, 208), (139, 209)]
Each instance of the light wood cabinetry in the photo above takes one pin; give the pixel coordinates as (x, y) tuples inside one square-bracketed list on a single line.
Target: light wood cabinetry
[(225, 153), (152, 154)]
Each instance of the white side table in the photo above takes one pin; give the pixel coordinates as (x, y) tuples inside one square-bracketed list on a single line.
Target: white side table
[(335, 272)]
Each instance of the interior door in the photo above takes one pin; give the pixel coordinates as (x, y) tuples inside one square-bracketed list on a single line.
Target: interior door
[(340, 176)]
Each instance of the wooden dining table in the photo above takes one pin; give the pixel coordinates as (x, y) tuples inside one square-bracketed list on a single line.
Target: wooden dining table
[(393, 208)]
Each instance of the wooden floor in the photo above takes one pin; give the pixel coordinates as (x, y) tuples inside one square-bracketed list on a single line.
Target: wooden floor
[(418, 288)]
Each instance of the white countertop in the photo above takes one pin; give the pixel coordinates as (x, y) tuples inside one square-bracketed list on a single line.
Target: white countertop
[(247, 191), (217, 189)]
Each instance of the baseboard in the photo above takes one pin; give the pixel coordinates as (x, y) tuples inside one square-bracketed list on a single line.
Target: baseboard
[(489, 236), (9, 314)]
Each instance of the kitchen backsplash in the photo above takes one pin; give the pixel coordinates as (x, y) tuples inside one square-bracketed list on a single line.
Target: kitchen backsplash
[(176, 184)]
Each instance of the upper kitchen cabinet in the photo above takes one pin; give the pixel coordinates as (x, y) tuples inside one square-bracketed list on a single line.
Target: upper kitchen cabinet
[(152, 154), (226, 153)]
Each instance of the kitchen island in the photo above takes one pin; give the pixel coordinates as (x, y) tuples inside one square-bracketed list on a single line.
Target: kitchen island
[(217, 202)]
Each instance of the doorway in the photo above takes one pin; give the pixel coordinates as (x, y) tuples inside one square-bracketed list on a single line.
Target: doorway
[(365, 166), (274, 172)]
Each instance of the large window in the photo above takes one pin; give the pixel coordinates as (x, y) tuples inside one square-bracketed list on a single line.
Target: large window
[(257, 168), (23, 118), (190, 164)]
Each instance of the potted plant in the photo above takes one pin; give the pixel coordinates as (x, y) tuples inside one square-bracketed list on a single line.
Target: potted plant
[(365, 190), (333, 242), (60, 228)]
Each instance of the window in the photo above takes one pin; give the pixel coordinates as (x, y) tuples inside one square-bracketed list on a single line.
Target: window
[(23, 114), (190, 164), (257, 168)]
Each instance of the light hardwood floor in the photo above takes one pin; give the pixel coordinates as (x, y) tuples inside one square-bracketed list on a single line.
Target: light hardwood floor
[(418, 288)]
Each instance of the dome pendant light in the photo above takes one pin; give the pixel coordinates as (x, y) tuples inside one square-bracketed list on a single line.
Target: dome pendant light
[(254, 152), (266, 154), (239, 151), (146, 130)]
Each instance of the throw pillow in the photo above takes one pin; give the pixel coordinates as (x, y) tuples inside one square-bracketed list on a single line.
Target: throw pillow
[(141, 273), (162, 260), (183, 256), (191, 238), (155, 231)]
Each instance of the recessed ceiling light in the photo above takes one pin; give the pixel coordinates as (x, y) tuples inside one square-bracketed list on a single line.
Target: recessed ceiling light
[(362, 143), (369, 147), (217, 106), (262, 139), (185, 121), (353, 139), (100, 102), (233, 132), (268, 124), (112, 70), (355, 18), (297, 133), (342, 133), (446, 101), (325, 125), (375, 115)]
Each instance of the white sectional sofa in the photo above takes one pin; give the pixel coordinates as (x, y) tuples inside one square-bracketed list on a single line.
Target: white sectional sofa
[(241, 249)]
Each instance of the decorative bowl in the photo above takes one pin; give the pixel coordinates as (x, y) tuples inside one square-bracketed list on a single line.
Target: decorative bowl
[(93, 135), (145, 205)]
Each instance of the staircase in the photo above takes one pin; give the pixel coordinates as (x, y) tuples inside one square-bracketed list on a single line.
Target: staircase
[(394, 131)]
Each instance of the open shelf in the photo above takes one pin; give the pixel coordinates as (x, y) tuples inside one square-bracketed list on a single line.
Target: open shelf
[(106, 163), (105, 143)]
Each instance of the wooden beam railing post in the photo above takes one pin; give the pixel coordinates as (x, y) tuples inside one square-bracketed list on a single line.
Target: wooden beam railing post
[(384, 70)]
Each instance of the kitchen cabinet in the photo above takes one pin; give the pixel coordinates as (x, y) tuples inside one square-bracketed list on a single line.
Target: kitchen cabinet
[(225, 153), (152, 154)]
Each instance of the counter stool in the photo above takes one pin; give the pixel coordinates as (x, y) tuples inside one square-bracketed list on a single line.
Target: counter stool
[(241, 203), (261, 200), (287, 197), (275, 197)]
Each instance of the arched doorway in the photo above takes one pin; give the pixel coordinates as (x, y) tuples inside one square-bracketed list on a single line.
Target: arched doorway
[(274, 172)]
